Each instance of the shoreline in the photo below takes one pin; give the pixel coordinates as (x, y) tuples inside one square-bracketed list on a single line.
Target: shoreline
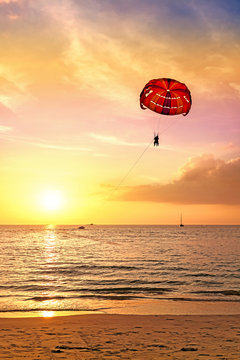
[(136, 307), (106, 336)]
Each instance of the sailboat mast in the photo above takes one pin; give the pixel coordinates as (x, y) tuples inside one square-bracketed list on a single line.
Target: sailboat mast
[(181, 224)]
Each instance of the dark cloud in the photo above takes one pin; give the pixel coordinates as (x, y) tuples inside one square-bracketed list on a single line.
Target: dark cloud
[(203, 180)]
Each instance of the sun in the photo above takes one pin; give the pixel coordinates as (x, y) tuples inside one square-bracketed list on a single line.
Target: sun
[(51, 200), (47, 313)]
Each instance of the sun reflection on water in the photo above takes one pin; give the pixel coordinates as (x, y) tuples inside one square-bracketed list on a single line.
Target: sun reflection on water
[(50, 245), (50, 227), (50, 259)]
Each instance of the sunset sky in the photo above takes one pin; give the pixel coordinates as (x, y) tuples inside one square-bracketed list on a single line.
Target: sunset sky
[(72, 130)]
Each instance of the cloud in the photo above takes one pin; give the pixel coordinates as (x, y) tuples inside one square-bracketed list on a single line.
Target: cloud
[(203, 180), (113, 61), (31, 49), (8, 1), (113, 140), (5, 128), (5, 112), (10, 9), (12, 93), (83, 60), (235, 86), (59, 147), (87, 54), (38, 142)]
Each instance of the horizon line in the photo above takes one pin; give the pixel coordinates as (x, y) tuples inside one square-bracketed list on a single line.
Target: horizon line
[(104, 224)]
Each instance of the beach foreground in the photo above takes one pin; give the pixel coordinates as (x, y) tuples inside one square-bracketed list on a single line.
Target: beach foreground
[(101, 336)]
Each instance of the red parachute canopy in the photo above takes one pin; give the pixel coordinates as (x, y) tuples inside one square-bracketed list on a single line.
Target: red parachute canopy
[(166, 97)]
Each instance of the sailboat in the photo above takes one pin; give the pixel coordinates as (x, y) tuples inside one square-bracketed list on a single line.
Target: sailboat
[(181, 224)]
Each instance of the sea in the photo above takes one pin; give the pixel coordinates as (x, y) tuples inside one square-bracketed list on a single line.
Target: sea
[(119, 269)]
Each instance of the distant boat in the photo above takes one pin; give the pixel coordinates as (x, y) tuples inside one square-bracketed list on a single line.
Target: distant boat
[(181, 224), (81, 227)]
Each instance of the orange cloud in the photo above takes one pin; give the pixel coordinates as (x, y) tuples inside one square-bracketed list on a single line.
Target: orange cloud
[(203, 180)]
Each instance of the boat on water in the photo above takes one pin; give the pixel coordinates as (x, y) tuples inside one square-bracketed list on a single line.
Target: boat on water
[(81, 227), (181, 223)]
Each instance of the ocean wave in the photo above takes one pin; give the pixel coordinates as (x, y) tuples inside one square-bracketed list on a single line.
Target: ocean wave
[(218, 292), (200, 274), (176, 268), (123, 290), (40, 309), (209, 282), (81, 269), (200, 299), (113, 282), (84, 296), (37, 287), (29, 288), (46, 298)]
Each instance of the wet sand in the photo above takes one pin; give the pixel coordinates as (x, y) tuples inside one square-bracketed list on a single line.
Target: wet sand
[(121, 337)]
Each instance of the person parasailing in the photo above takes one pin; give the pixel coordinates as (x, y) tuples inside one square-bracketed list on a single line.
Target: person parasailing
[(156, 140)]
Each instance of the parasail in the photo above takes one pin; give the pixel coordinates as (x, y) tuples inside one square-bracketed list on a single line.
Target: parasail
[(166, 96)]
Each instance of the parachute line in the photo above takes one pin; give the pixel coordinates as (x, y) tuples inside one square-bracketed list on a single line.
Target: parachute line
[(138, 159), (131, 168)]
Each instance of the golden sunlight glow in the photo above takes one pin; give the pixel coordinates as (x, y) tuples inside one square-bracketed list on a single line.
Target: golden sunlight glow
[(76, 142), (50, 227), (46, 313), (51, 200)]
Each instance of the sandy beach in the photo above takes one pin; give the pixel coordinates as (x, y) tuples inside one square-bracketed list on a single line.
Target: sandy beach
[(121, 337)]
